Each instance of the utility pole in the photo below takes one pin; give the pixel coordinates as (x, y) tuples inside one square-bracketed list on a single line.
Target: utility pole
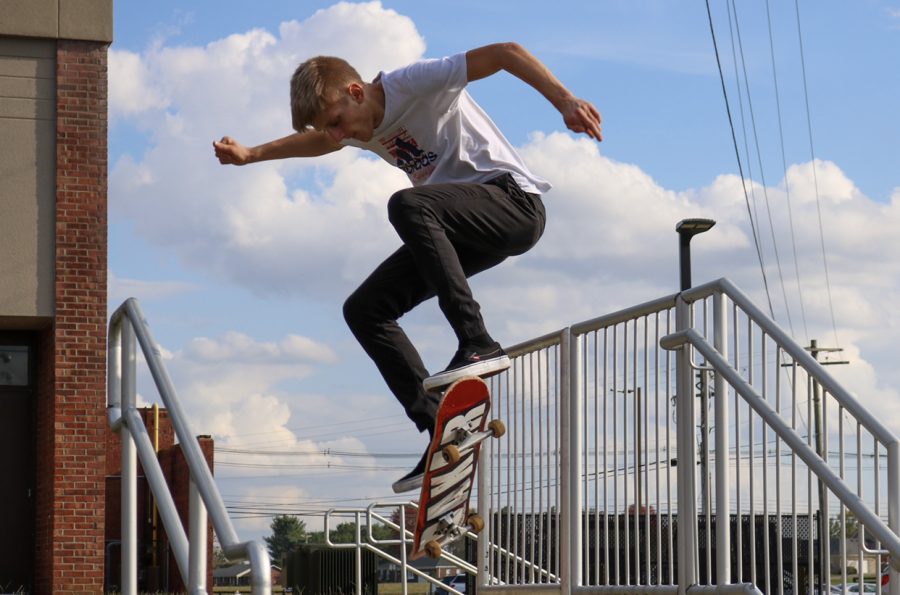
[(705, 494), (824, 534)]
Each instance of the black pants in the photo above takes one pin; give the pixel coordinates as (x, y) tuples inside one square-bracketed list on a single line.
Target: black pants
[(450, 232)]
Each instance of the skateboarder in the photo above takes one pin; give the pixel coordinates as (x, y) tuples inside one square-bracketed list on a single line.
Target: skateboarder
[(473, 201)]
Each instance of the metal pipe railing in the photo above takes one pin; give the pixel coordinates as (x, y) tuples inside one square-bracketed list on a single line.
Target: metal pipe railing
[(581, 485), (829, 385), (681, 340), (127, 326), (800, 355)]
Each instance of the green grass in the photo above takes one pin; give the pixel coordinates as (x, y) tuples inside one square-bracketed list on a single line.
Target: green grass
[(411, 588)]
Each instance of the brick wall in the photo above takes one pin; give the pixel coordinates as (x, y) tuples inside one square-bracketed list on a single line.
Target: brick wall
[(179, 478), (165, 575), (71, 491)]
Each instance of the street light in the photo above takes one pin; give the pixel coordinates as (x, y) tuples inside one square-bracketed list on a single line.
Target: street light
[(687, 229)]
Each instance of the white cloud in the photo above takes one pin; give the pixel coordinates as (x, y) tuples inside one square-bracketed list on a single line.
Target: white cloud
[(120, 289), (240, 348), (130, 90), (314, 229), (251, 225), (231, 384)]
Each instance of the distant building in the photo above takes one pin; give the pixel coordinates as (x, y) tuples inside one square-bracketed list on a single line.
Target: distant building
[(157, 568), (238, 575), (388, 572)]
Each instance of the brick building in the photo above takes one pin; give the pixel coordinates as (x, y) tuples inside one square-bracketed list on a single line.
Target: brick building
[(53, 292), (158, 570), (53, 305)]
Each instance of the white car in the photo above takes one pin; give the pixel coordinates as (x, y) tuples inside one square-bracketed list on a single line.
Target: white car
[(853, 588)]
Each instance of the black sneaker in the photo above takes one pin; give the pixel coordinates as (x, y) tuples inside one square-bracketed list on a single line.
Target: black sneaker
[(471, 361), (413, 480)]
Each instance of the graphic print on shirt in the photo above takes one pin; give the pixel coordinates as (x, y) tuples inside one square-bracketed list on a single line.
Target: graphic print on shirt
[(408, 156)]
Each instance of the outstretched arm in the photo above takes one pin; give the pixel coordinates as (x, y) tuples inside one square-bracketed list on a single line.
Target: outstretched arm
[(305, 144), (578, 114)]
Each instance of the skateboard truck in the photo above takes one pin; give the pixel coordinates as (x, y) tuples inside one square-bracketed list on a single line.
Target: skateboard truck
[(449, 531), (465, 439)]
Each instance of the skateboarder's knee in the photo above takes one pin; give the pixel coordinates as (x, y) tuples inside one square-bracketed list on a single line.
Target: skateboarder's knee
[(402, 205), (355, 311)]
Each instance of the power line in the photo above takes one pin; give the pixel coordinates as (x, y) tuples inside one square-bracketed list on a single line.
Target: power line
[(738, 155), (363, 420), (815, 176), (345, 427), (762, 174), (325, 452), (787, 187)]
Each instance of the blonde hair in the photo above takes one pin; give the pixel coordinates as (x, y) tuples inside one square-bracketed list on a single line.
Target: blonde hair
[(315, 84)]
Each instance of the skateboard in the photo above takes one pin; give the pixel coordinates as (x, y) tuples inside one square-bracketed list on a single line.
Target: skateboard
[(444, 514)]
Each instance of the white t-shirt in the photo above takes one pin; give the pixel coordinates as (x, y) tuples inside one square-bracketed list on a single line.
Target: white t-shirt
[(434, 131)]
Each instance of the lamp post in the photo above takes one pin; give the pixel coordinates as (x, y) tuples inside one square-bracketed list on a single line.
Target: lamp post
[(687, 229), (687, 456)]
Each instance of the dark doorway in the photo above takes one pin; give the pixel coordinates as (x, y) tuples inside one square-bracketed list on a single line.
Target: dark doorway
[(17, 446)]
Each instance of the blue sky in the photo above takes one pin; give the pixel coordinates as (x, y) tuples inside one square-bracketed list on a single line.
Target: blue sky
[(242, 271)]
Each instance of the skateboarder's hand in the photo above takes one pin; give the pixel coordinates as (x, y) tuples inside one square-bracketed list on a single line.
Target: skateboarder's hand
[(229, 151), (582, 117)]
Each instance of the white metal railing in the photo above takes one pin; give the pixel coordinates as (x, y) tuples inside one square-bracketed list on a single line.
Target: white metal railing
[(605, 457), (800, 448), (127, 328), (369, 517), (630, 467)]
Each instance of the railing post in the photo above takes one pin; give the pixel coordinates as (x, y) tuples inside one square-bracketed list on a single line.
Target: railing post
[(197, 530), (687, 457), (484, 490), (404, 548), (358, 554), (570, 464), (576, 432), (129, 465), (723, 501), (893, 472)]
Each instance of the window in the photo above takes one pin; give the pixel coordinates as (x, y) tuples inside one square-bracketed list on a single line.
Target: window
[(13, 365)]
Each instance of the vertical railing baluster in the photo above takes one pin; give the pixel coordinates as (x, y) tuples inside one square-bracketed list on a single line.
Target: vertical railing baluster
[(129, 462), (687, 460), (723, 502)]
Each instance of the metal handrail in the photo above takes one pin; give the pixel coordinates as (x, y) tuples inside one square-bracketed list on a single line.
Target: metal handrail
[(887, 533), (800, 355), (127, 324), (372, 546), (790, 436), (569, 381)]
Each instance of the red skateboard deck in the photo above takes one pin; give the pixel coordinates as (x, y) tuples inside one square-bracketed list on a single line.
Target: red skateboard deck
[(444, 515)]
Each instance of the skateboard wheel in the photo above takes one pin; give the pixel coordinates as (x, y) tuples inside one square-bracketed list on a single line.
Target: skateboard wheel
[(497, 427), (451, 453), (476, 523), (433, 549)]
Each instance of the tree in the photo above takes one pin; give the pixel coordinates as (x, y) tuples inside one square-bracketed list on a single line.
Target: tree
[(219, 558), (346, 533), (851, 525), (287, 532), (410, 517)]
